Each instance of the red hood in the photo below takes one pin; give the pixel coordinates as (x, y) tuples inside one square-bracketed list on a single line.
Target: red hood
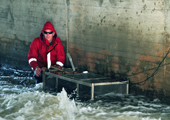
[(48, 25)]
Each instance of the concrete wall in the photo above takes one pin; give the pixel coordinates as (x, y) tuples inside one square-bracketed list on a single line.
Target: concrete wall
[(123, 37), (110, 37)]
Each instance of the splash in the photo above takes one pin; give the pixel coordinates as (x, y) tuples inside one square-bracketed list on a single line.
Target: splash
[(37, 105), (67, 107)]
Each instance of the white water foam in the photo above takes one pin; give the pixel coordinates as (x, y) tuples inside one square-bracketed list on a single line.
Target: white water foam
[(38, 105), (23, 103)]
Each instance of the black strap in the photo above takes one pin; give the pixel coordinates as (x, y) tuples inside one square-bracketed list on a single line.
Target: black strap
[(53, 48)]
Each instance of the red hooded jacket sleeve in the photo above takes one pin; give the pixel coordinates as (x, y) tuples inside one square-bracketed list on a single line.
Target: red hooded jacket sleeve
[(43, 54)]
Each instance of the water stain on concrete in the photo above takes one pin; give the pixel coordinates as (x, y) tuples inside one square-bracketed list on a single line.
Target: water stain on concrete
[(113, 2), (100, 2), (7, 15)]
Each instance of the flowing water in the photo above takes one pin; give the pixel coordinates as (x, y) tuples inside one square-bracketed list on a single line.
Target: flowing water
[(21, 100)]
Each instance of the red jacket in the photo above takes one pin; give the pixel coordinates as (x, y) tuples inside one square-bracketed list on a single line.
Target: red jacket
[(42, 54)]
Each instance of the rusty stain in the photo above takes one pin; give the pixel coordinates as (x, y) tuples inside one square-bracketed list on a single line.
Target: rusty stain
[(167, 41), (107, 63), (167, 35), (154, 82)]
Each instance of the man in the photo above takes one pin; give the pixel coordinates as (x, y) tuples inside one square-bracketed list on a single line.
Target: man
[(45, 50)]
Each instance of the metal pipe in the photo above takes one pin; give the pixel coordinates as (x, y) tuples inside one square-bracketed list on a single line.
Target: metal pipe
[(92, 92), (67, 41), (71, 61)]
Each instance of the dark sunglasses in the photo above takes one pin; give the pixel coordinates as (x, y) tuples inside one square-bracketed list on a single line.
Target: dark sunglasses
[(48, 32)]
